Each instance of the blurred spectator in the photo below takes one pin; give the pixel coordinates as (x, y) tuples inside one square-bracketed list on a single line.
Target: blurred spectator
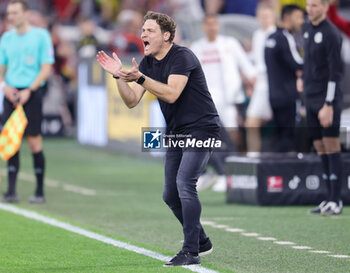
[(64, 81), (299, 3), (246, 7), (188, 15), (41, 6), (127, 39), (88, 44), (283, 62), (338, 21), (222, 58), (37, 19), (108, 12), (259, 109), (66, 10)]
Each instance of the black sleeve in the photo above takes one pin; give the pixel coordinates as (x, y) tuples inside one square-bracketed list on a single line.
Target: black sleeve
[(289, 53), (333, 51), (142, 66), (183, 62)]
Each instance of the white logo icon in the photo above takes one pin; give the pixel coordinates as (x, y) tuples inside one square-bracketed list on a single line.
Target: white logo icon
[(306, 35), (271, 43), (312, 182), (318, 37), (294, 183)]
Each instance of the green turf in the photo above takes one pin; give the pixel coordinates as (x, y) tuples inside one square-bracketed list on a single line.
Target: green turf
[(30, 246), (128, 206)]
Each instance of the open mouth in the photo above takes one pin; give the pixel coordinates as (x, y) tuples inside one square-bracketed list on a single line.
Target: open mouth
[(146, 44)]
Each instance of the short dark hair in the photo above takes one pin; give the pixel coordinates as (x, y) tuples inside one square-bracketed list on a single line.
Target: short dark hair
[(289, 9), (165, 22), (24, 4)]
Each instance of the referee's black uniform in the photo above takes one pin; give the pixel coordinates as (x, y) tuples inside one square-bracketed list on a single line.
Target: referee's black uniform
[(282, 61), (322, 73)]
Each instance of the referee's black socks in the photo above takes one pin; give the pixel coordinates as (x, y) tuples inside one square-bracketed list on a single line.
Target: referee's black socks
[(12, 170), (335, 175), (39, 169), (325, 174)]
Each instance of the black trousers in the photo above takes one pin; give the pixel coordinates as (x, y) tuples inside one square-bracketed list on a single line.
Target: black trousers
[(284, 118), (183, 166)]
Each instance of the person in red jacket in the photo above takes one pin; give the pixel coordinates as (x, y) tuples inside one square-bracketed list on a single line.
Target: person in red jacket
[(338, 21)]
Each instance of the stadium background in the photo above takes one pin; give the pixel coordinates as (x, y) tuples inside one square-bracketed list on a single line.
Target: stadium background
[(105, 189)]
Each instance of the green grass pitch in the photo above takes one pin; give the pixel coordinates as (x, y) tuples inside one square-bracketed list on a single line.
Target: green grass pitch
[(128, 207)]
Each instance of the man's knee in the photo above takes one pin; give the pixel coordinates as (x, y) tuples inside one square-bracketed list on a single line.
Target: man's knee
[(331, 145), (171, 199), (318, 144), (187, 189), (35, 143)]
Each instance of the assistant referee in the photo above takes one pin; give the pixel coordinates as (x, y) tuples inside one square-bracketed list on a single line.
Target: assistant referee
[(26, 57)]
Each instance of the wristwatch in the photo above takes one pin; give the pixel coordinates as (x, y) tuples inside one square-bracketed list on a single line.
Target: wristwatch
[(116, 77), (329, 103), (141, 80)]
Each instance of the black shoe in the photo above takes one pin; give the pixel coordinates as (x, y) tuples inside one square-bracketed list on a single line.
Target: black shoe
[(37, 199), (205, 248), (10, 198), (183, 258), (318, 209), (333, 208)]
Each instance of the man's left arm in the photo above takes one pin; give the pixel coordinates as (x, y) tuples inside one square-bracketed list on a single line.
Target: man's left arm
[(168, 92), (333, 49), (180, 70), (42, 77)]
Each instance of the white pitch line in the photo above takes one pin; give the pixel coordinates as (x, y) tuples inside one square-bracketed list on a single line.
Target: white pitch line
[(92, 235), (234, 230), (220, 226), (283, 243), (252, 234), (81, 190), (266, 238), (274, 240), (340, 256), (319, 251), (208, 223), (301, 247), (54, 183)]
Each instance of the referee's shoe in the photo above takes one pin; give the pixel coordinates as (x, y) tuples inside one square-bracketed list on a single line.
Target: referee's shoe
[(318, 209), (333, 208)]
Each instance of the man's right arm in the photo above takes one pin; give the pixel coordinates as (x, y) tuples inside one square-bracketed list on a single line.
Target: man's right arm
[(131, 94)]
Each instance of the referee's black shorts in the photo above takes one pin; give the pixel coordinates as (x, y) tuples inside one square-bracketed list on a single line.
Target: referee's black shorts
[(33, 110), (316, 131)]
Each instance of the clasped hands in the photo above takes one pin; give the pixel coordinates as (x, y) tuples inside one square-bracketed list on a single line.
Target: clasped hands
[(17, 96), (114, 66)]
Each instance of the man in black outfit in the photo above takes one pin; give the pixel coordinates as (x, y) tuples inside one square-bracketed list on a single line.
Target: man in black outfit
[(321, 76), (173, 74), (283, 62)]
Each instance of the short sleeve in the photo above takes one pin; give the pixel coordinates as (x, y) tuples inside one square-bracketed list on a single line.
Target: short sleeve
[(3, 57), (333, 44), (142, 66), (47, 51), (183, 62)]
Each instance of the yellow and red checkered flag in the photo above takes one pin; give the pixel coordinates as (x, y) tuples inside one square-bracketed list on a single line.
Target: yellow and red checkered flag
[(12, 133)]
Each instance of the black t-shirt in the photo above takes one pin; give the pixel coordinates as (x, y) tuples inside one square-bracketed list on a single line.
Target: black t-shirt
[(194, 110), (322, 61)]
